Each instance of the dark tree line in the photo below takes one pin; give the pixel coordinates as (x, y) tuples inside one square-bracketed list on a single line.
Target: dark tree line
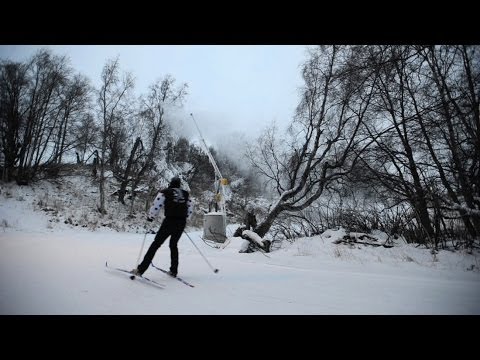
[(427, 135), (41, 102), (401, 120)]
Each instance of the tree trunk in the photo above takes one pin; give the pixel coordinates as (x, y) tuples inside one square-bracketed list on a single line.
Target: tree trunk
[(126, 176), (267, 223)]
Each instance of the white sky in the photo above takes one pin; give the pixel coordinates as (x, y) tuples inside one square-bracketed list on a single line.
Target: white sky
[(51, 268), (232, 88)]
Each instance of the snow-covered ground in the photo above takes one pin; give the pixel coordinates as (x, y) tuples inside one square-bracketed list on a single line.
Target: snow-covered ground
[(49, 267)]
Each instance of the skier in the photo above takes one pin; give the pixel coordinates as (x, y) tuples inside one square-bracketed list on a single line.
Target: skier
[(178, 209)]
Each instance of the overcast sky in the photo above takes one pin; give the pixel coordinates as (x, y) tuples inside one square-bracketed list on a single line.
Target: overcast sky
[(232, 88)]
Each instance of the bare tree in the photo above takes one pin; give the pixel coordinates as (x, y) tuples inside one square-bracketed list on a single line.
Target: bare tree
[(163, 97), (74, 99), (85, 136), (425, 134), (395, 133), (455, 72), (36, 112), (13, 92), (111, 101), (325, 140), (47, 74)]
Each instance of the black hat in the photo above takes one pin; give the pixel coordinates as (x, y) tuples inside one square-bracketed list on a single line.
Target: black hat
[(175, 182)]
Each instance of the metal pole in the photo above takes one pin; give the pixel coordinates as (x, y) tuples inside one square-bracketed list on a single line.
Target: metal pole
[(218, 176), (211, 267), (209, 154)]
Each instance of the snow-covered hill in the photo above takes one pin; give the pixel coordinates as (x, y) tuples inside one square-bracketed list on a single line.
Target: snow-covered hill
[(73, 200)]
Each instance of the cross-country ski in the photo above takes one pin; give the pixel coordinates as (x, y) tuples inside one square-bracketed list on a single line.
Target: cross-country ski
[(175, 277), (133, 277)]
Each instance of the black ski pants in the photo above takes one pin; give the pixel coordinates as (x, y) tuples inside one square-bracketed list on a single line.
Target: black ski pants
[(173, 227)]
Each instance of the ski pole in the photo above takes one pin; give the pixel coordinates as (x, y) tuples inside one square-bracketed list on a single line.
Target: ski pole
[(211, 267), (141, 250)]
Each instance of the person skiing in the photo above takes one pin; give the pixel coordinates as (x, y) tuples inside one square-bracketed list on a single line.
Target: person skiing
[(178, 209)]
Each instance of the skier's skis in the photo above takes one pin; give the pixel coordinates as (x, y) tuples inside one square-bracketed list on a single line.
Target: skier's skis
[(175, 277), (133, 277)]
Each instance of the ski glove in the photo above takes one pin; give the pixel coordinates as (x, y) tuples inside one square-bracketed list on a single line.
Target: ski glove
[(149, 219)]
